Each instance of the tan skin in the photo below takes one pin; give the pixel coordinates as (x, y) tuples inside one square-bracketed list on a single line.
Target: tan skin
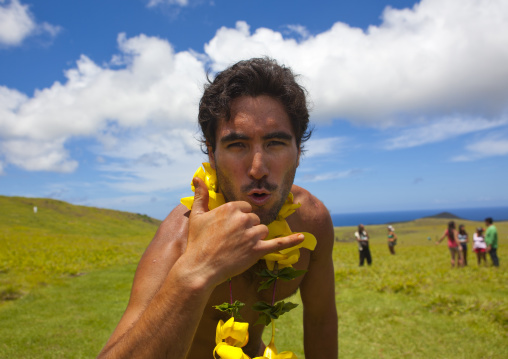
[(187, 264)]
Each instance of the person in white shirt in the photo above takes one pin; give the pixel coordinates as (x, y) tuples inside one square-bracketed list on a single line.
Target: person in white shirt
[(479, 246)]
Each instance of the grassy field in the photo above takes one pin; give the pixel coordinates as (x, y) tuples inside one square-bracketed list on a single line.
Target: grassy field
[(66, 272), (62, 240), (412, 304)]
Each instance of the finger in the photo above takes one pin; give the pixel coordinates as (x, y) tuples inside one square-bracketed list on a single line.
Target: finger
[(254, 220), (278, 244), (243, 206), (201, 197)]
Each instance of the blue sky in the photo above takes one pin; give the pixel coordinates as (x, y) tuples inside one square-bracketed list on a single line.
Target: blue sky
[(98, 99)]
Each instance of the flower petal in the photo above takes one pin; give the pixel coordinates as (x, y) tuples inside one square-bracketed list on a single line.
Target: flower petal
[(233, 333), (228, 352)]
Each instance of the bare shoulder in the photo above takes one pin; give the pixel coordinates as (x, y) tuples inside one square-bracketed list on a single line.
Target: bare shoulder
[(312, 216), (166, 247), (171, 234)]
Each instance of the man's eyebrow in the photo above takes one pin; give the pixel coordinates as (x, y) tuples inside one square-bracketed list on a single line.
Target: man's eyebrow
[(281, 135), (233, 136)]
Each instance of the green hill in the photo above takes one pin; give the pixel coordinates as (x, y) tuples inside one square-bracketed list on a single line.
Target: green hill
[(445, 215), (62, 240)]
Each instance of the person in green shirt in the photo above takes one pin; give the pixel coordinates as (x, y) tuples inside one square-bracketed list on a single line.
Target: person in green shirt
[(491, 240)]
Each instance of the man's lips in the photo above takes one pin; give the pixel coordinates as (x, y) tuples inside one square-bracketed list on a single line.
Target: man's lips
[(259, 197)]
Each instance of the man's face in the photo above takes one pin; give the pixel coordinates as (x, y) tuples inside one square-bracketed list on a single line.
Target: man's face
[(256, 155)]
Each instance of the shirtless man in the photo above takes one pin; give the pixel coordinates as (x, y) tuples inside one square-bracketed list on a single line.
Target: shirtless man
[(254, 121)]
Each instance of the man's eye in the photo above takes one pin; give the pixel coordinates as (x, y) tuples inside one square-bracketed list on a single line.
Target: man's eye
[(236, 145), (276, 143)]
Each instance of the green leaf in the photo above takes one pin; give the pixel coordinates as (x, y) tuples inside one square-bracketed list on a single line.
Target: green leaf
[(266, 284), (232, 309), (268, 312), (290, 273), (265, 273), (286, 274), (263, 319)]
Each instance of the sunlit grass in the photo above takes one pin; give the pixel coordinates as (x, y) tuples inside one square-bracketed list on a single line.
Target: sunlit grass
[(66, 273), (413, 304), (60, 240)]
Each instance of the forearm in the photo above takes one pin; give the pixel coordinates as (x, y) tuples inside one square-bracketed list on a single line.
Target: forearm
[(321, 337), (167, 326)]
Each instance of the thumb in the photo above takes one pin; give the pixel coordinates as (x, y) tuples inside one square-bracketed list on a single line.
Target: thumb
[(201, 196)]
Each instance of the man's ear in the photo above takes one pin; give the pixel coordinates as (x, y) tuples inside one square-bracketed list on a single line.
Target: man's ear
[(211, 156)]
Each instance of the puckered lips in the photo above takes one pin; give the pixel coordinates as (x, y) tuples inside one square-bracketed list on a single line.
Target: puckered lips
[(259, 196)]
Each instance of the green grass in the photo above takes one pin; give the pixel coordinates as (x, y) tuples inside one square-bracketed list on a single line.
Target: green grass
[(69, 320), (66, 272), (63, 240), (413, 305)]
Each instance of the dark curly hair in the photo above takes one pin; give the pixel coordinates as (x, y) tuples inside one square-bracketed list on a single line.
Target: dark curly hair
[(254, 77)]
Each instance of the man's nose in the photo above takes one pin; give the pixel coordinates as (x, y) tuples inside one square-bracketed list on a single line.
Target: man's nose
[(258, 168)]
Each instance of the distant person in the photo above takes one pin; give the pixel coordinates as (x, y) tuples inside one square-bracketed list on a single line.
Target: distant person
[(453, 244), (392, 239), (479, 246), (463, 240), (491, 240), (363, 245)]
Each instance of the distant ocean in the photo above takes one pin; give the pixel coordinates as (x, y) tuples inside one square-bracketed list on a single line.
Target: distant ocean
[(474, 214)]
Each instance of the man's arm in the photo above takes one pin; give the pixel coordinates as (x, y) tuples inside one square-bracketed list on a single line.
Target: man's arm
[(168, 298), (318, 290), (488, 238)]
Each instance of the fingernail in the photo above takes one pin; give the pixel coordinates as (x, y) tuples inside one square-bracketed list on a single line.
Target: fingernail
[(301, 236)]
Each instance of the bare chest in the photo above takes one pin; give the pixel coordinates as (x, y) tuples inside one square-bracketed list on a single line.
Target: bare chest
[(245, 289)]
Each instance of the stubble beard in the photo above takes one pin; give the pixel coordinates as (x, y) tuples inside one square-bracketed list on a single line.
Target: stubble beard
[(266, 215)]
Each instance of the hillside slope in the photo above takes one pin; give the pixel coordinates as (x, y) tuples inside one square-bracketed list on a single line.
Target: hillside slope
[(62, 239)]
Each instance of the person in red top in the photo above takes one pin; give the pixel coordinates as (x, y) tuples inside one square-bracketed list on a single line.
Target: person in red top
[(453, 244)]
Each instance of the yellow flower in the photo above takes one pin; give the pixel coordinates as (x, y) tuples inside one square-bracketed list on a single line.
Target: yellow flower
[(233, 333), (278, 228), (209, 176), (228, 352), (230, 337)]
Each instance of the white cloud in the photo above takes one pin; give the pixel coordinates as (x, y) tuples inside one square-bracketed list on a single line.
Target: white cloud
[(156, 87), (323, 146), (152, 160), (332, 175), (35, 155), (492, 144), (299, 30), (440, 57), (437, 130), (17, 23), (153, 3), (417, 69)]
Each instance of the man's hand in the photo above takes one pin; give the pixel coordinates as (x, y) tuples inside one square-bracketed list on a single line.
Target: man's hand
[(228, 240)]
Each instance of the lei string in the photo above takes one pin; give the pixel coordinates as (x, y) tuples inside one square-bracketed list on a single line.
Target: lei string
[(231, 336), (271, 352)]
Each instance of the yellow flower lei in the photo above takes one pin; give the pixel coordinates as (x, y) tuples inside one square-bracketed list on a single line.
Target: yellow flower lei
[(278, 228), (231, 336)]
